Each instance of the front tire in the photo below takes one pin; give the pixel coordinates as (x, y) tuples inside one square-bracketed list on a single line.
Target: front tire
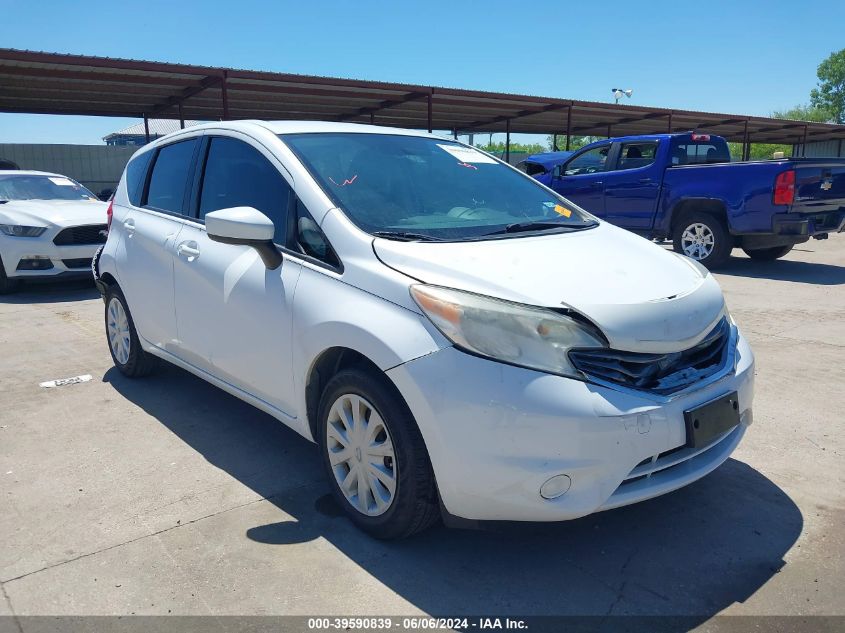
[(704, 238), (768, 254), (122, 338), (375, 457)]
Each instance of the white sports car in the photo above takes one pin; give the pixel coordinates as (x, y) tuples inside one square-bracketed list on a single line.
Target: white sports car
[(50, 227)]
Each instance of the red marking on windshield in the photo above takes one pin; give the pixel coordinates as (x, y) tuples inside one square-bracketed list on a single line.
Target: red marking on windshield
[(348, 181), (468, 165)]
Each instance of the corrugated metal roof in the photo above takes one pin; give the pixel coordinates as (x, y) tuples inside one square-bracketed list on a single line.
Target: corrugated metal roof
[(158, 127), (51, 83)]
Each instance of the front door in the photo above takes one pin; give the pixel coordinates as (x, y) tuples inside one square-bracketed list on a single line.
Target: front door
[(581, 179), (234, 316)]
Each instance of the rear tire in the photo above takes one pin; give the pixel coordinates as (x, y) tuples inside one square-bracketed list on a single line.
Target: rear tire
[(7, 285), (703, 237), (122, 338), (396, 496), (768, 254)]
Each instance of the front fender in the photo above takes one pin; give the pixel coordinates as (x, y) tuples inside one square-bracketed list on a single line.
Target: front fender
[(329, 313)]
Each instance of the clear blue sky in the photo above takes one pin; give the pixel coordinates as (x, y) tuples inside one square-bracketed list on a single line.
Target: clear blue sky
[(737, 57)]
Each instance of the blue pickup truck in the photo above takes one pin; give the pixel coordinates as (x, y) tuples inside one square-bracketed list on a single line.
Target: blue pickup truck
[(684, 187)]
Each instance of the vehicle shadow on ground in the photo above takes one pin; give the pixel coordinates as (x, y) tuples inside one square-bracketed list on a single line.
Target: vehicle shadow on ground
[(52, 292), (785, 270), (692, 553)]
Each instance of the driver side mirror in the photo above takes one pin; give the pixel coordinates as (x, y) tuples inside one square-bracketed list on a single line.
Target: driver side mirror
[(245, 226)]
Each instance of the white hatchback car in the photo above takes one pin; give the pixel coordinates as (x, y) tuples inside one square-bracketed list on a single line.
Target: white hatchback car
[(50, 227), (457, 338)]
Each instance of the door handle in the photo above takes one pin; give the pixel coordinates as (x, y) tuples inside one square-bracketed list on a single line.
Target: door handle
[(129, 226), (645, 179), (598, 183), (188, 250)]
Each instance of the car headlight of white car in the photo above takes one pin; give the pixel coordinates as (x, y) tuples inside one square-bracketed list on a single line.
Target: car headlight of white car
[(528, 336), (19, 230)]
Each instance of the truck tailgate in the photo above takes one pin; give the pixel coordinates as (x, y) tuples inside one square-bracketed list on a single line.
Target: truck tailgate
[(819, 186)]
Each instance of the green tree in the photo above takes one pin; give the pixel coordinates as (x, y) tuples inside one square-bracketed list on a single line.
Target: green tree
[(813, 113), (830, 95), (576, 142)]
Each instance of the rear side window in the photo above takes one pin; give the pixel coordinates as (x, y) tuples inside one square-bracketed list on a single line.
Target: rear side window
[(686, 152), (171, 173), (634, 155), (238, 175), (136, 172)]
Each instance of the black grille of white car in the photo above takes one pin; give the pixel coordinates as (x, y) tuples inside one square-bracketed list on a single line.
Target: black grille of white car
[(86, 234), (658, 373), (79, 262)]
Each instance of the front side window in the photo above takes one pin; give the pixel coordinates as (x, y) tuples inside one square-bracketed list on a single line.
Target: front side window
[(634, 155), (170, 177), (418, 187), (589, 162), (37, 187), (238, 175)]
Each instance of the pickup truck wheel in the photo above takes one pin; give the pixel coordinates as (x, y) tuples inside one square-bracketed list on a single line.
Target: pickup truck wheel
[(7, 285), (374, 456), (704, 238), (768, 254)]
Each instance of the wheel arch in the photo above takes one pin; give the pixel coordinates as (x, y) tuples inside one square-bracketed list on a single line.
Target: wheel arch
[(686, 207)]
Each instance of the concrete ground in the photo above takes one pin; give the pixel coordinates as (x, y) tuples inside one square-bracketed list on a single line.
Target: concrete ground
[(166, 495)]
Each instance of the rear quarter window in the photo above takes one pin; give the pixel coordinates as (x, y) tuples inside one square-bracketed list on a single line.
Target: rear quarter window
[(136, 175)]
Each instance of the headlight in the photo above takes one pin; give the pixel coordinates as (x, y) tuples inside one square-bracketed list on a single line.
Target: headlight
[(18, 230), (513, 333)]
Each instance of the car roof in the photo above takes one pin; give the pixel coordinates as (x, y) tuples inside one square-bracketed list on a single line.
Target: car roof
[(28, 172), (305, 127)]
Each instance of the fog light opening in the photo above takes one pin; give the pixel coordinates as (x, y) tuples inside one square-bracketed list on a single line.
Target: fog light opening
[(555, 487)]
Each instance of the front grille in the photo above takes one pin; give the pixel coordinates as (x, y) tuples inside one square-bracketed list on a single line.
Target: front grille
[(79, 262), (658, 373), (87, 234)]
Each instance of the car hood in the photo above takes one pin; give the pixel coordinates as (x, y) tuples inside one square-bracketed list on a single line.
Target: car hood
[(55, 212), (643, 297)]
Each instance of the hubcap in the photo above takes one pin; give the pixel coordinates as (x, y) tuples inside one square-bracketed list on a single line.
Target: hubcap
[(118, 331), (361, 455), (697, 241)]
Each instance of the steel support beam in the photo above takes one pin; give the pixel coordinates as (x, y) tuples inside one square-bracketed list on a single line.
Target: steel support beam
[(508, 141), (224, 94), (190, 91), (568, 127), (146, 129), (411, 96), (181, 117), (804, 142)]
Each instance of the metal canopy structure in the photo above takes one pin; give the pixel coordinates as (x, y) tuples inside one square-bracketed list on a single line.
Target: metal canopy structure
[(50, 83)]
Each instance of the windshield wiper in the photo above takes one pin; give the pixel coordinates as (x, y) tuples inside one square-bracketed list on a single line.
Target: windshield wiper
[(407, 236), (519, 227)]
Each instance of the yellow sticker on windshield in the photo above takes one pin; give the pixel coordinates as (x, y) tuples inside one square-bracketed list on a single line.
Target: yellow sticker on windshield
[(561, 210)]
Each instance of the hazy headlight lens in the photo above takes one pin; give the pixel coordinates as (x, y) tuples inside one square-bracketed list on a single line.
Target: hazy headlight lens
[(18, 230), (523, 335)]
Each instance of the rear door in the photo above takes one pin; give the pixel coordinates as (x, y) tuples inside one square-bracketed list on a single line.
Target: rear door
[(145, 256), (581, 178), (632, 185), (234, 316)]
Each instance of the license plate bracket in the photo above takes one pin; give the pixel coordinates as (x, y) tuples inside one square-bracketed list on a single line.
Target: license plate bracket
[(711, 419)]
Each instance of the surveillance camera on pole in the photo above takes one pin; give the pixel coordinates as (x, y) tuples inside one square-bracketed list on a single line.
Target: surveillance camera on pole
[(618, 93)]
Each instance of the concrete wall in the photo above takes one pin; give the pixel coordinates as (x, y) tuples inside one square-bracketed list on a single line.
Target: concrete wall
[(95, 166)]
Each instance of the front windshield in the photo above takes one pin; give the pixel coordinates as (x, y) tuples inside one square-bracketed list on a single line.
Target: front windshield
[(36, 187), (424, 187)]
